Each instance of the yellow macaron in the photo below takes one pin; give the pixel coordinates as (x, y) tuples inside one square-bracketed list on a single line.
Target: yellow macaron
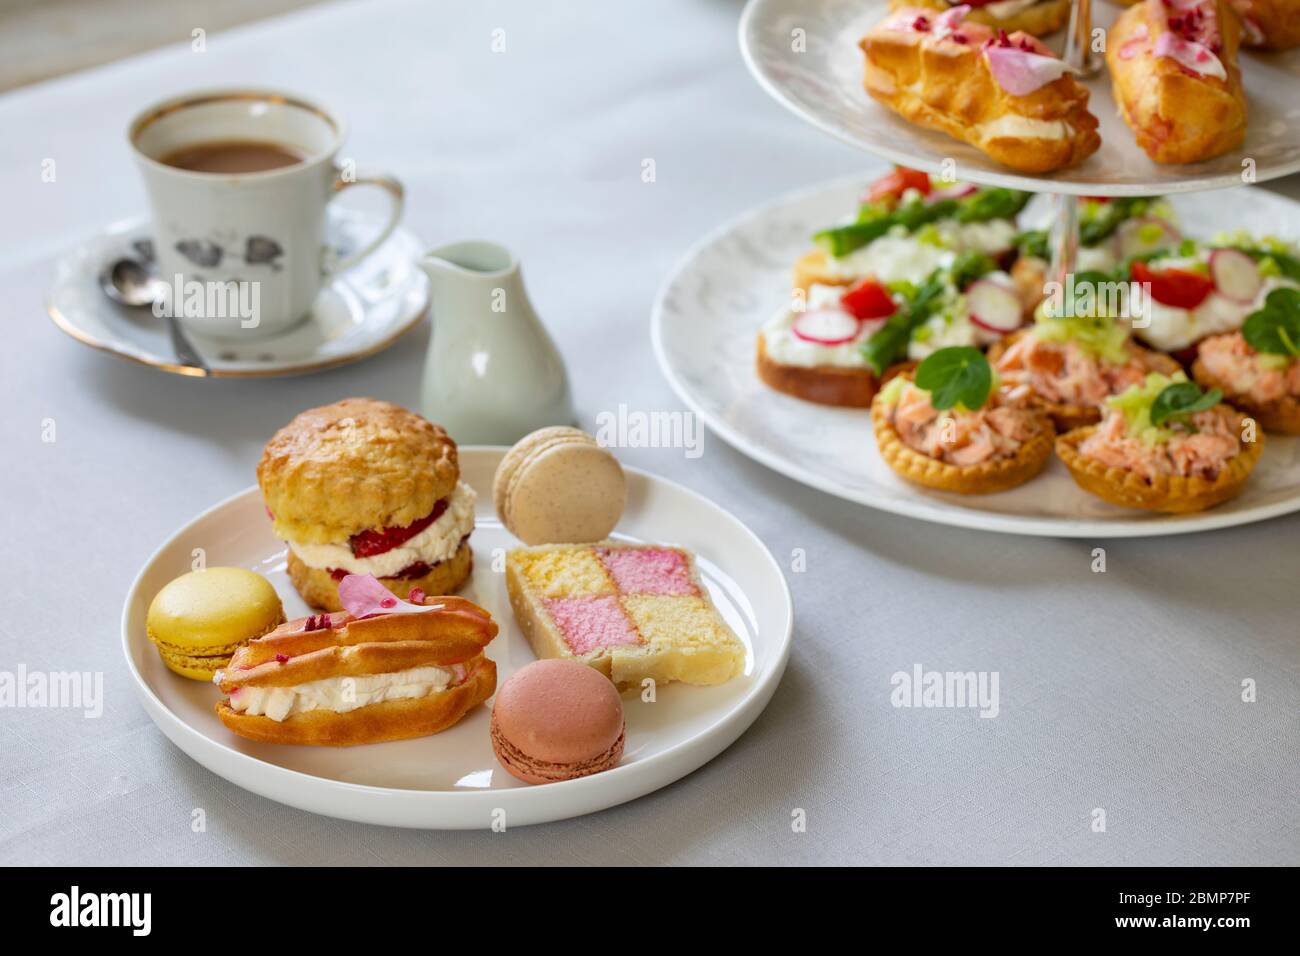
[(198, 620)]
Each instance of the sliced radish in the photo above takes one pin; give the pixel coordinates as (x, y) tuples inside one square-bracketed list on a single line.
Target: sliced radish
[(1146, 234), (825, 327), (1236, 275), (954, 191), (994, 307)]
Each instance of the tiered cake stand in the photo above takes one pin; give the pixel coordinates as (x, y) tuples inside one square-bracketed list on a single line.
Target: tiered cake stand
[(805, 54)]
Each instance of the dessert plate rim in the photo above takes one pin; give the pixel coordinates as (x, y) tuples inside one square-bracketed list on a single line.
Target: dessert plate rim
[(472, 808)]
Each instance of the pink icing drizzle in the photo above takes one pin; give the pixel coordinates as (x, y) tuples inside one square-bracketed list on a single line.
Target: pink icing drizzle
[(1133, 45), (1189, 54)]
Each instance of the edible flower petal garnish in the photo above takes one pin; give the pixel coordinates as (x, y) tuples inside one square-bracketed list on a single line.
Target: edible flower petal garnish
[(363, 596)]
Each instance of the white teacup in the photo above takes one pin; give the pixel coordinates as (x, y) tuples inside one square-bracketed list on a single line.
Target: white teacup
[(243, 253)]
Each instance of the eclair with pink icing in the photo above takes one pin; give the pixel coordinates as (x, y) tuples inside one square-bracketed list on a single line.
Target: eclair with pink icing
[(1005, 94), (1173, 67)]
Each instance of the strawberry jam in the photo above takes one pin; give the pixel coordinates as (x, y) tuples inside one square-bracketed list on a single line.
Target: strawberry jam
[(366, 544)]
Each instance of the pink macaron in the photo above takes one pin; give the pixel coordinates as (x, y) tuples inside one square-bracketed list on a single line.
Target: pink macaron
[(557, 720)]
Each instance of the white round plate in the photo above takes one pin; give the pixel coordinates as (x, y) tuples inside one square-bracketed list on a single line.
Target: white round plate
[(359, 312), (823, 85), (452, 780), (705, 325)]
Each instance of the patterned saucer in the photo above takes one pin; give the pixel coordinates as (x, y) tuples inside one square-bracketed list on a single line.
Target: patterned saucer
[(357, 313)]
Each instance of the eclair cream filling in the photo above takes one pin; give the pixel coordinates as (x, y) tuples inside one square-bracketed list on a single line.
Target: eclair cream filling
[(341, 694), (1024, 127), (438, 542)]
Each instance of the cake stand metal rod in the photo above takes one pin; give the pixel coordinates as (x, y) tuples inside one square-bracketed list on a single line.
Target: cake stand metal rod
[(1063, 238), (1078, 40)]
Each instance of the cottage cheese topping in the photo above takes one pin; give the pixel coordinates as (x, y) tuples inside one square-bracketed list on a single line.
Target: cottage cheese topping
[(785, 347), (340, 694), (1170, 328), (903, 258), (438, 542)]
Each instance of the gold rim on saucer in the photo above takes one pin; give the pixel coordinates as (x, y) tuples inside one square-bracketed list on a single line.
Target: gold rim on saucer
[(64, 325)]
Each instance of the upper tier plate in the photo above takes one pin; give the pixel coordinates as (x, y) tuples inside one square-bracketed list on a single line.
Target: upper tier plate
[(823, 85)]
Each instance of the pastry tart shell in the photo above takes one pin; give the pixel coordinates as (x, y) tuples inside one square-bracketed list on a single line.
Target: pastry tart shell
[(988, 477), (1175, 494), (1281, 415)]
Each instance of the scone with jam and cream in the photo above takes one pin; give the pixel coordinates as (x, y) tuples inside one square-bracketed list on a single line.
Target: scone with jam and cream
[(366, 487)]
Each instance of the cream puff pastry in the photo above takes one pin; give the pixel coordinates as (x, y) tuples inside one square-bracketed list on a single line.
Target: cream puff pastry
[(383, 670), (1269, 24), (1006, 95), (1173, 67), (1038, 17)]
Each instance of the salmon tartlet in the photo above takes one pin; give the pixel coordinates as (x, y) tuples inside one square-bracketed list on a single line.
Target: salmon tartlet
[(995, 446), (1264, 385), (1164, 445)]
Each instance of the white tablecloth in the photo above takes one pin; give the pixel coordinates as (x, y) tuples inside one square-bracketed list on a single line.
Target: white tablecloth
[(1119, 691)]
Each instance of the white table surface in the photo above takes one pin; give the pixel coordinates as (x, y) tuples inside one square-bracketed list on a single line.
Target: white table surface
[(1119, 690)]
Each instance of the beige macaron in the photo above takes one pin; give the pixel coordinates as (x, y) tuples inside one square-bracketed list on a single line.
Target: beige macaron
[(558, 486)]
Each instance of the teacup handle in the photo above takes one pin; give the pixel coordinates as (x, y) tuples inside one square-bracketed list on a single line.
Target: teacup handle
[(396, 192)]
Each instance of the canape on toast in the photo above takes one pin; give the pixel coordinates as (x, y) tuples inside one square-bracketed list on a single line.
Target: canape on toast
[(384, 669), (1007, 95), (839, 346), (1164, 445), (1173, 67), (908, 224), (1038, 17), (945, 426)]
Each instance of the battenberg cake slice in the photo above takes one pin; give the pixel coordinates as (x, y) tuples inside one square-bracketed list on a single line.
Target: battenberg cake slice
[(631, 611)]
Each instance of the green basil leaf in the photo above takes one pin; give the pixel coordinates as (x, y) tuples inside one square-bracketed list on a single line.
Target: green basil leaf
[(1181, 400), (1033, 242), (968, 267), (1275, 328), (1109, 217), (954, 376)]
